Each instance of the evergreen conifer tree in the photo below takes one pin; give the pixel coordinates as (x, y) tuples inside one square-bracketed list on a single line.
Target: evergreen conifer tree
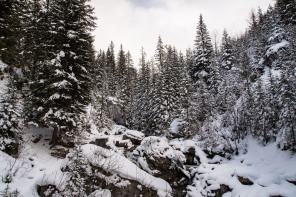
[(227, 59), (287, 120), (11, 120), (121, 71), (11, 32), (111, 69), (287, 10), (203, 54), (142, 91), (62, 88)]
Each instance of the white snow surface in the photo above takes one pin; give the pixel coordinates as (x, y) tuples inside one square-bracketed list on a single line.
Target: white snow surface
[(101, 193), (174, 127), (267, 167), (134, 134)]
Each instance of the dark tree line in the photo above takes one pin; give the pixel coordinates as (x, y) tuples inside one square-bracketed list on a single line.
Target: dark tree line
[(219, 94)]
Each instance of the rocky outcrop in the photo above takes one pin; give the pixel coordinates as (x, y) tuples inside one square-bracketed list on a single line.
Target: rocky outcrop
[(156, 156), (66, 141), (190, 156), (222, 190), (102, 142), (37, 139), (244, 181), (292, 181), (59, 152), (135, 137), (115, 111), (171, 171), (130, 188), (12, 149)]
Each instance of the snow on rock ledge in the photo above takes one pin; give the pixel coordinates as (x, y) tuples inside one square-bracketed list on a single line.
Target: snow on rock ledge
[(134, 136), (111, 161), (156, 156)]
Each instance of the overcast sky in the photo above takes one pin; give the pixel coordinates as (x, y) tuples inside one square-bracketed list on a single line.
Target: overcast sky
[(138, 23)]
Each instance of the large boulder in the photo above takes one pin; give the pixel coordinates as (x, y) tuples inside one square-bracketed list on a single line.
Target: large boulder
[(190, 156), (115, 111), (245, 180), (134, 136), (12, 149), (222, 190), (157, 157)]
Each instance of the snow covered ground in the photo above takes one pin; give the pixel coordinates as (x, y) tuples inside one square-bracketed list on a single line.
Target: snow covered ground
[(33, 164), (267, 167), (36, 166), (271, 170)]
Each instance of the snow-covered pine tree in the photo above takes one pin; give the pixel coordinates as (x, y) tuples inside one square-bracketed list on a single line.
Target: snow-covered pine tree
[(189, 59), (110, 69), (273, 108), (227, 58), (170, 90), (99, 111), (287, 11), (36, 27), (156, 105), (203, 54), (287, 119), (204, 102), (121, 69), (62, 88), (260, 119), (78, 173), (11, 120), (159, 55), (128, 93), (166, 92), (140, 119), (156, 102), (188, 103), (11, 32)]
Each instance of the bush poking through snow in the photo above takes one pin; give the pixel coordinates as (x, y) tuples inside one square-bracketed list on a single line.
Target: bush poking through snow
[(8, 193)]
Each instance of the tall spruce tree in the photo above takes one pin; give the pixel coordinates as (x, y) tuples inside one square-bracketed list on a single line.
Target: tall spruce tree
[(99, 92), (287, 11), (36, 33), (121, 70), (62, 88), (128, 96), (110, 69), (142, 91), (227, 59), (287, 116), (159, 55), (203, 54), (11, 120), (12, 32)]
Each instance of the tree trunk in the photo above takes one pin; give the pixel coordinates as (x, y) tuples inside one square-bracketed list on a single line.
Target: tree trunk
[(55, 135)]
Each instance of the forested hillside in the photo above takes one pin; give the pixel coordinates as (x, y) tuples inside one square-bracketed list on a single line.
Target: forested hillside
[(217, 96)]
